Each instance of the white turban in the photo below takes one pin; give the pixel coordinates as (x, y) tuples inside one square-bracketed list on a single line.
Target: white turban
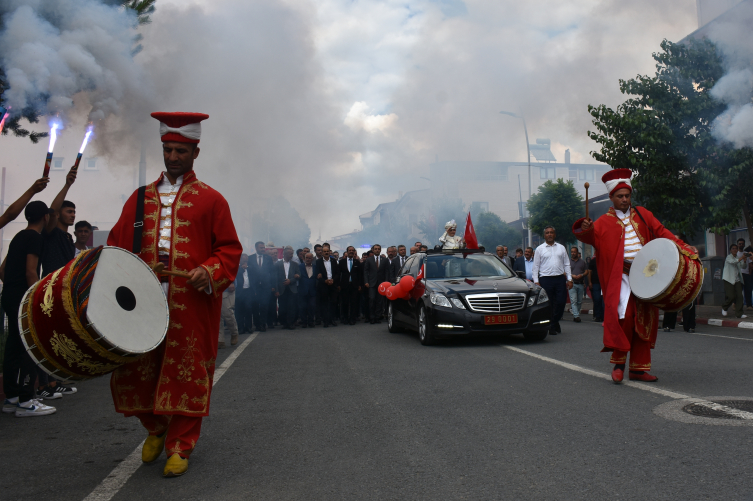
[(450, 224), (190, 131), (613, 183)]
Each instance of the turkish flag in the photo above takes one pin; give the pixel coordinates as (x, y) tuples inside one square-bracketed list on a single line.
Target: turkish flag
[(471, 242)]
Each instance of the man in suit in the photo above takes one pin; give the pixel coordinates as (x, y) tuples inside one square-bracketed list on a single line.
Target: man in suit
[(328, 275), (351, 278), (375, 271), (364, 290), (287, 287), (307, 291), (397, 262), (244, 297), (262, 275), (502, 253), (525, 264)]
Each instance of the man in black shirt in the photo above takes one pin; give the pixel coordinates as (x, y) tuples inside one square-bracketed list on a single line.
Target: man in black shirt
[(593, 281), (19, 271)]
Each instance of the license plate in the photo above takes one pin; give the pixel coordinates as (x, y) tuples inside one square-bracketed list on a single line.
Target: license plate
[(500, 319)]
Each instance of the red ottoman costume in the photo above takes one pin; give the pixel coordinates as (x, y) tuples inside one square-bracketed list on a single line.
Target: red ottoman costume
[(635, 330), (169, 389)]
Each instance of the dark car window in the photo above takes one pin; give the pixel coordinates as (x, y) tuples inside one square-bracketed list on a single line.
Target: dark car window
[(407, 265), (465, 266)]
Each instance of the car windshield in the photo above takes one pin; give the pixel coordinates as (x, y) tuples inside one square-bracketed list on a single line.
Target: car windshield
[(465, 266)]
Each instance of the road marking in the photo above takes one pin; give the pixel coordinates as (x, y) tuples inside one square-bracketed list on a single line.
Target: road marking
[(718, 335), (641, 386), (121, 473)]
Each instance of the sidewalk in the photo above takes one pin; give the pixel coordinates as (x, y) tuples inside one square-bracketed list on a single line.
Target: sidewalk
[(704, 315)]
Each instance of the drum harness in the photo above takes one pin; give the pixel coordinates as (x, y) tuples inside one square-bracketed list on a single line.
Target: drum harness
[(627, 264)]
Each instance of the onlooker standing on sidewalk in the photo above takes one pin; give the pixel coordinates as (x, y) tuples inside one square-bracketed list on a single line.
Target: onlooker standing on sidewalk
[(593, 283), (733, 281), (747, 277), (83, 231), (580, 273), (19, 271), (551, 270)]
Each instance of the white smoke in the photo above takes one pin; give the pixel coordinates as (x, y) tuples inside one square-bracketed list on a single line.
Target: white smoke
[(53, 51), (734, 38)]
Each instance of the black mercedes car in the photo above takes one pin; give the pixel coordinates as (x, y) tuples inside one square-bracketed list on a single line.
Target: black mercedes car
[(468, 292)]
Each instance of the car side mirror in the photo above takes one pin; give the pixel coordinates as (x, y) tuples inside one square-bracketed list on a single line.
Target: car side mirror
[(521, 274)]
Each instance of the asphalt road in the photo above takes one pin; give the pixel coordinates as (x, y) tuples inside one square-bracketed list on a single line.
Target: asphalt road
[(358, 413)]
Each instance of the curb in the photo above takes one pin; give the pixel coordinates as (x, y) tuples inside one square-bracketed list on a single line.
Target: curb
[(717, 322)]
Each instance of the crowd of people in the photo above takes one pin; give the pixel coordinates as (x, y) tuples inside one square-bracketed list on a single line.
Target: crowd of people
[(43, 247)]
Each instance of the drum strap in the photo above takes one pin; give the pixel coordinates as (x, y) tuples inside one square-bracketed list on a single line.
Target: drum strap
[(644, 222), (139, 223)]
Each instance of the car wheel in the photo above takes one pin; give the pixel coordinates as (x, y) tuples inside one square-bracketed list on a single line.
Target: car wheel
[(425, 334), (535, 336), (391, 321)]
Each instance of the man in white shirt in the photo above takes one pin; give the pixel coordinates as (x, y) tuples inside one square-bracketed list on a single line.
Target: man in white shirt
[(551, 270), (287, 288)]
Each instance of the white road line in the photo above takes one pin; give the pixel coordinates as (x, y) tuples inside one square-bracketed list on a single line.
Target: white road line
[(120, 475), (718, 335), (641, 386)]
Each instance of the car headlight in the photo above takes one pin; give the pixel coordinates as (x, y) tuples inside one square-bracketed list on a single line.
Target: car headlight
[(543, 297), (440, 300), (458, 303), (531, 300)]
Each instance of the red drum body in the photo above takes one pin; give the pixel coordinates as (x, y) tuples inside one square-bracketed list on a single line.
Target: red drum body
[(665, 275), (104, 309)]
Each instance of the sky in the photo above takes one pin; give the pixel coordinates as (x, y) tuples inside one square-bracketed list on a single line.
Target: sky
[(339, 105)]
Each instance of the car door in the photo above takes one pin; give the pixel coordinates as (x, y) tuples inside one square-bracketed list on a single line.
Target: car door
[(412, 301), (401, 307)]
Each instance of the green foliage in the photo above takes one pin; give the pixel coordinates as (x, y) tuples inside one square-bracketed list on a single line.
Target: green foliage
[(556, 204), (664, 134), (431, 226), (491, 231), (282, 225)]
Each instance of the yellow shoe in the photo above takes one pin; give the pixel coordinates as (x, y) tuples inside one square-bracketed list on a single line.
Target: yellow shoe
[(153, 447), (175, 466)]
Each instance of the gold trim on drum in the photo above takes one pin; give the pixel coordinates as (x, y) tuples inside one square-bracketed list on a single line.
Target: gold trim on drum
[(78, 328)]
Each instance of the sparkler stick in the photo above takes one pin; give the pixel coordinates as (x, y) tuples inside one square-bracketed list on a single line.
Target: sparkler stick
[(83, 147), (5, 115), (48, 160)]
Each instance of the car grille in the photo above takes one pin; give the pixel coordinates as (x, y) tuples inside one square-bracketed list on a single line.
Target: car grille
[(496, 303)]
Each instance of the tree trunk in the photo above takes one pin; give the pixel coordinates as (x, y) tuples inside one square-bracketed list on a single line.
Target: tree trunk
[(746, 214)]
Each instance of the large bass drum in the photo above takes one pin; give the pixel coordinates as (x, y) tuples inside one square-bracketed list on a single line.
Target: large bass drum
[(104, 309), (665, 275)]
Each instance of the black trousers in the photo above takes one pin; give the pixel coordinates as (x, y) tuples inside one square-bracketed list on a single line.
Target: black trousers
[(598, 301), (351, 302), (259, 308), (272, 309), (307, 309), (670, 320), (244, 310), (556, 289), (688, 317), (326, 296), (19, 370), (288, 302), (376, 304)]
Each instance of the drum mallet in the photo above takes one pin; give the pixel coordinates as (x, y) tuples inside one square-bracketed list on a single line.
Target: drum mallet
[(159, 269), (586, 186)]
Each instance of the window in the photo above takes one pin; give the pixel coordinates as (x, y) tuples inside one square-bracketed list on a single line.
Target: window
[(587, 174), (415, 266), (57, 163), (573, 174), (406, 267), (91, 163), (547, 173)]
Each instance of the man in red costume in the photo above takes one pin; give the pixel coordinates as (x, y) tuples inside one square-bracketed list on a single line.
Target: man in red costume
[(630, 325), (187, 226)]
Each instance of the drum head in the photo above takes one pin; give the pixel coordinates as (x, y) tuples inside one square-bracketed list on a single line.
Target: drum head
[(127, 305), (654, 268)]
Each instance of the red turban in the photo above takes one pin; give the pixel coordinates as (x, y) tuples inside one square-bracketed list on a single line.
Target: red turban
[(616, 179), (179, 126)]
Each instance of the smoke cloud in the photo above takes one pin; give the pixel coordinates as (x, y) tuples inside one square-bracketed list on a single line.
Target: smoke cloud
[(734, 38), (52, 51)]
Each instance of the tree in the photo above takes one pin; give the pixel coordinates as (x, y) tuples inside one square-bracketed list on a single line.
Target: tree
[(492, 231), (432, 225), (282, 225), (665, 135), (556, 204), (143, 10)]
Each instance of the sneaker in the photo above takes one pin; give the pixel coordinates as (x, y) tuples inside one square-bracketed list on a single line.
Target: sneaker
[(47, 394), (576, 319), (66, 390), (744, 316), (10, 405), (724, 313), (34, 408)]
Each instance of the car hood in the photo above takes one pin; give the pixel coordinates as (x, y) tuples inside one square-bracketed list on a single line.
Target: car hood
[(480, 286)]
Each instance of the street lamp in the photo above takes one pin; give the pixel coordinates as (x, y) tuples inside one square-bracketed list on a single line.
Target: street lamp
[(528, 148)]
